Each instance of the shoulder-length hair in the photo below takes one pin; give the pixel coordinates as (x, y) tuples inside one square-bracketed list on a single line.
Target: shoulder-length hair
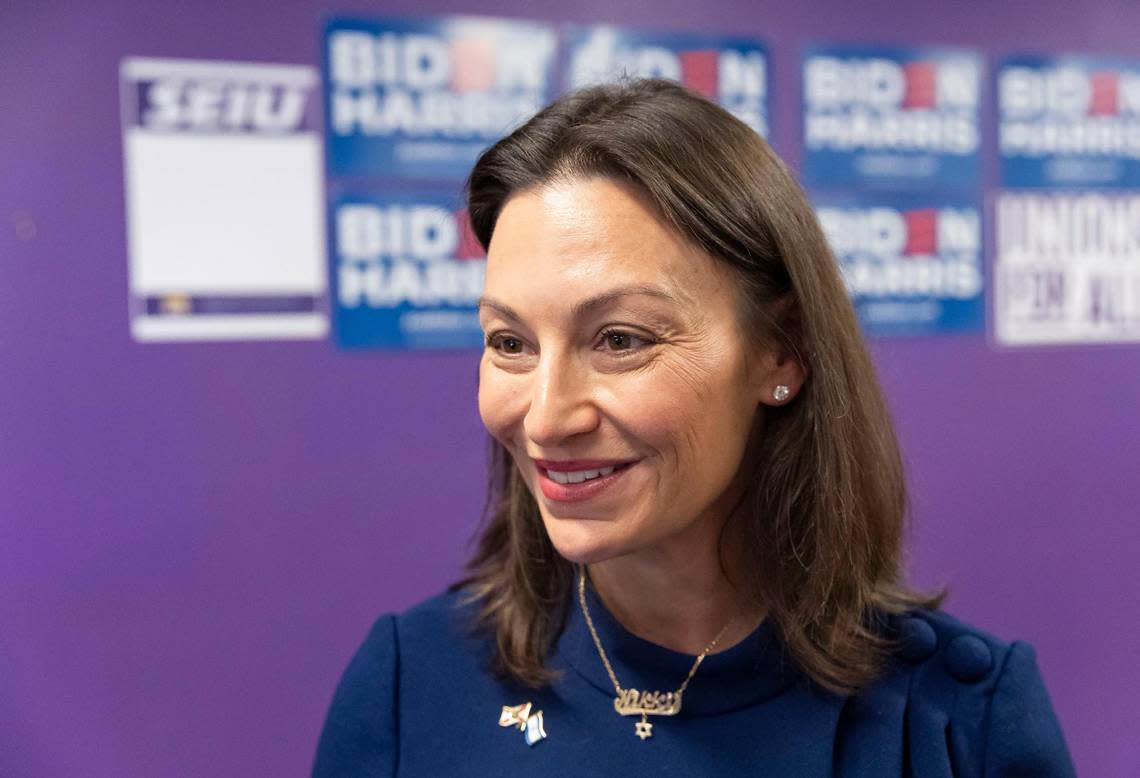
[(822, 519)]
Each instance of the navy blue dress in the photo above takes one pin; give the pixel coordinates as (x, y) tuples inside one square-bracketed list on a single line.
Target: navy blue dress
[(418, 700)]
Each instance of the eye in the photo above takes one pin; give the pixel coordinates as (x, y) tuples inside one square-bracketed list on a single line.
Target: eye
[(505, 344), (616, 340)]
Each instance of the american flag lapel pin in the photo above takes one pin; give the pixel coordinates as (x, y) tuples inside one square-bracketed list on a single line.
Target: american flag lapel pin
[(520, 716)]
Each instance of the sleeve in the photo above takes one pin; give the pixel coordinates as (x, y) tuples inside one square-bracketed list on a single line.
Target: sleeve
[(1024, 737), (360, 735)]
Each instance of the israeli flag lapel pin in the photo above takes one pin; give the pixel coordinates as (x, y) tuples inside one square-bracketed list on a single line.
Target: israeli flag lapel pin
[(520, 716)]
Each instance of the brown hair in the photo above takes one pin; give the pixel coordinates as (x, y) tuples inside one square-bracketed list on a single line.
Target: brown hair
[(821, 522)]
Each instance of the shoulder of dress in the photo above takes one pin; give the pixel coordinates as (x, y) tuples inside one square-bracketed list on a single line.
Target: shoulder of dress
[(446, 619), (944, 644), (953, 699), (440, 606)]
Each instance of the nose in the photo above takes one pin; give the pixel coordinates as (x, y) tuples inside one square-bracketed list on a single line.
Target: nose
[(561, 406)]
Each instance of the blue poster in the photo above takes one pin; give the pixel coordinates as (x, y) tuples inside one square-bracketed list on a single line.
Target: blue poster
[(912, 263), (897, 118), (732, 72), (407, 271), (1069, 122), (420, 99)]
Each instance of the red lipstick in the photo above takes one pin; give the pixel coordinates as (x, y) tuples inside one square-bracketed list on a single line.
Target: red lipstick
[(581, 490)]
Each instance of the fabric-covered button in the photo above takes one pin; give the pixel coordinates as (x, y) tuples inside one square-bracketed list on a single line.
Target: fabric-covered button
[(968, 658), (917, 640)]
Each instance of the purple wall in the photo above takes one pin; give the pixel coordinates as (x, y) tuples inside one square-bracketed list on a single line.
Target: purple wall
[(193, 538)]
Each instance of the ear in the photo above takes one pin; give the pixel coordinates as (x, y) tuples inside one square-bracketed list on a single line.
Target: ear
[(780, 369), (782, 378)]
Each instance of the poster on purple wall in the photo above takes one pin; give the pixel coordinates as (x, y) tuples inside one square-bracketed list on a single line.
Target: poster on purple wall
[(225, 212), (1067, 268), (1069, 122), (898, 118), (407, 271), (733, 72), (421, 98), (912, 263)]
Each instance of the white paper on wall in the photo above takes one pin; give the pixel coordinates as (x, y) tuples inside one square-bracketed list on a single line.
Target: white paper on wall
[(224, 187), (1067, 267)]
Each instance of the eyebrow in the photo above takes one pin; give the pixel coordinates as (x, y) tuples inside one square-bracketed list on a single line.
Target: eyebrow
[(586, 306)]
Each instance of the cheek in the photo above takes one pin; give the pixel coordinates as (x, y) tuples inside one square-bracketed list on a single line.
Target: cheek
[(678, 430), (490, 411), (499, 401), (658, 412), (696, 411)]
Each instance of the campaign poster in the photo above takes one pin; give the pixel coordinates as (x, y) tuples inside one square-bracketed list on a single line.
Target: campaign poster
[(407, 271), (897, 118), (912, 263), (1067, 122), (1067, 268), (225, 211), (732, 72), (421, 98)]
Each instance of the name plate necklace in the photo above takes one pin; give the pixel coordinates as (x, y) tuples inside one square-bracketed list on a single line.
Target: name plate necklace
[(632, 702)]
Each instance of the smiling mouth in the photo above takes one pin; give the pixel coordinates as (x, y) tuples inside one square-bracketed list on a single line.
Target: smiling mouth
[(581, 476), (579, 479)]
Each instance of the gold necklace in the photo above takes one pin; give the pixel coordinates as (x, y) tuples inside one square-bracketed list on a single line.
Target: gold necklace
[(631, 702)]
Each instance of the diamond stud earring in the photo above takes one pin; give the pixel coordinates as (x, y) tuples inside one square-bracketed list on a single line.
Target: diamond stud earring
[(781, 393)]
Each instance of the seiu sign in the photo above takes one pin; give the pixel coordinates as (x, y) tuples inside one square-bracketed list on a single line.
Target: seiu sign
[(201, 105)]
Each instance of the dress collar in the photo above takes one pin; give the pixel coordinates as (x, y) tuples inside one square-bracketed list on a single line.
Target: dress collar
[(750, 672)]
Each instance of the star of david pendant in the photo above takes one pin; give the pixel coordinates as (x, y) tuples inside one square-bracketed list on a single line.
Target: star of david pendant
[(631, 702)]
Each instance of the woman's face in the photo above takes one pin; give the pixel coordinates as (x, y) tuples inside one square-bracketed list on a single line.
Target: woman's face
[(615, 371)]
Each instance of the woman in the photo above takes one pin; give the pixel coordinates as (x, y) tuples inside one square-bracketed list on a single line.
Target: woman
[(691, 565)]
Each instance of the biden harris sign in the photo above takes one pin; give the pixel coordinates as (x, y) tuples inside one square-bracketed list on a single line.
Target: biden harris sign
[(407, 271), (1069, 122), (890, 117), (419, 98), (732, 72), (913, 264)]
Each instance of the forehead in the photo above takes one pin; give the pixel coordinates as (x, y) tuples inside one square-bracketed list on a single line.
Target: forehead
[(572, 238)]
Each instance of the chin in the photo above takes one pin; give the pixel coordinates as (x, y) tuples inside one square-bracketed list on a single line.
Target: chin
[(583, 541)]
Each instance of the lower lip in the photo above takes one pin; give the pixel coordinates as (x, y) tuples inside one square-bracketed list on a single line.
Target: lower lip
[(586, 490)]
